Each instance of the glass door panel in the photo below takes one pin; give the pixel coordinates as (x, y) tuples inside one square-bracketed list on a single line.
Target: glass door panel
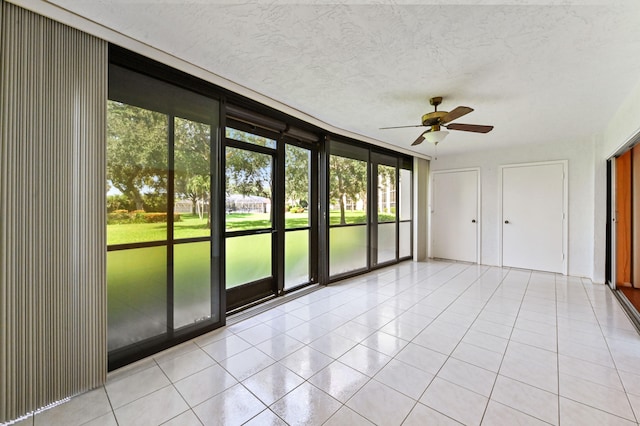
[(386, 215), (248, 259), (162, 275), (386, 242), (405, 185), (192, 223), (405, 194), (137, 295), (137, 170), (347, 249), (192, 283), (249, 219), (348, 181), (296, 258), (297, 215), (405, 239), (249, 183)]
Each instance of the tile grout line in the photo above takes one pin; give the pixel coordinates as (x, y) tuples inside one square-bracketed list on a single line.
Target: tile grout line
[(460, 340), (392, 358), (612, 360), (524, 294)]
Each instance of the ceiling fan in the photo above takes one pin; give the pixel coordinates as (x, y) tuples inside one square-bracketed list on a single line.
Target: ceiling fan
[(437, 119)]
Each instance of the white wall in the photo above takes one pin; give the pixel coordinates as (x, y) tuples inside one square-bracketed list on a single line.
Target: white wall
[(581, 194), (624, 127)]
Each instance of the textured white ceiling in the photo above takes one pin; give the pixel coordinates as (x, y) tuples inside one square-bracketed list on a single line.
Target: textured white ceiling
[(539, 71)]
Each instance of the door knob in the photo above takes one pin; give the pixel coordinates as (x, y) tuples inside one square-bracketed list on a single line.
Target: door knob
[(506, 221), (473, 221)]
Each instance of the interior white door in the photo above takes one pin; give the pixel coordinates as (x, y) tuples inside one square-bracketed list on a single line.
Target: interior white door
[(533, 216), (454, 215)]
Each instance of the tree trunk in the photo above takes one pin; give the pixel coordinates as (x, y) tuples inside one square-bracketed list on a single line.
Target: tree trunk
[(194, 202), (342, 214), (137, 198)]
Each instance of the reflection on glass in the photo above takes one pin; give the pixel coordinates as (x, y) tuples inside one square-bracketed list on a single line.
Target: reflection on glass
[(241, 136), (347, 190), (386, 193), (248, 259), (296, 258), (191, 283), (347, 249), (249, 189), (137, 295), (405, 194), (136, 174), (296, 186), (192, 179), (386, 242), (405, 239)]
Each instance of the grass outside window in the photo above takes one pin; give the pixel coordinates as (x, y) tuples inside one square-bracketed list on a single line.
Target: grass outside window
[(191, 226)]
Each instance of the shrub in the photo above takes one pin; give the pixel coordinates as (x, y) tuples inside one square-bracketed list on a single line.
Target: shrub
[(160, 217), (120, 217), (154, 217), (118, 203)]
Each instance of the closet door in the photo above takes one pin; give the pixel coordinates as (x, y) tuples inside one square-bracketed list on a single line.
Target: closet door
[(534, 217), (454, 215)]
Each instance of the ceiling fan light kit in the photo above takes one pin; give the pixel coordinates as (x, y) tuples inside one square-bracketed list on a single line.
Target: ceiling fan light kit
[(437, 119), (435, 137)]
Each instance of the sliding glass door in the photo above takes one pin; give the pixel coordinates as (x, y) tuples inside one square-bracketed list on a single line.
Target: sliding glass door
[(249, 219), (162, 267), (270, 222)]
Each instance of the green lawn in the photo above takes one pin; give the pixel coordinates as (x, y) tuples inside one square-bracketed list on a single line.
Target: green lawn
[(191, 226)]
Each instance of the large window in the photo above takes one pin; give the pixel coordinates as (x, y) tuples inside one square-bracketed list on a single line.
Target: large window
[(360, 239), (159, 209), (205, 220)]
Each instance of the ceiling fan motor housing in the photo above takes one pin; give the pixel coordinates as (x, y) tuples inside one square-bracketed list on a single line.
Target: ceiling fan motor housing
[(433, 118)]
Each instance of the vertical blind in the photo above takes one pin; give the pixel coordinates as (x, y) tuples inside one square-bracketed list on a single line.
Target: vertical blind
[(53, 93)]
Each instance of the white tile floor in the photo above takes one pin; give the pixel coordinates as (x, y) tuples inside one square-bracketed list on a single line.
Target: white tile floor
[(414, 344)]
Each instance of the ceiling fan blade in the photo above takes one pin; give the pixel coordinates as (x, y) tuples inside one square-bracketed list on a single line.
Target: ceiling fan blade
[(456, 113), (400, 127), (419, 140), (470, 128)]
